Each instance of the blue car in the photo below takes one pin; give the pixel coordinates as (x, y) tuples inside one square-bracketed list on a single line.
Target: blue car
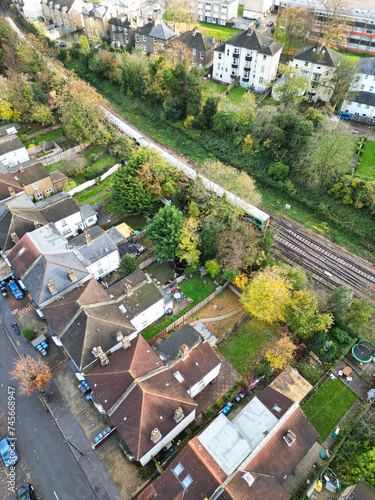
[(8, 452), (16, 290)]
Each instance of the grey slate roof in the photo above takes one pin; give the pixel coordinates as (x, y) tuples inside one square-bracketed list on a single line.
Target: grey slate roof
[(311, 54), (32, 174), (60, 210), (87, 211), (80, 240), (196, 41), (61, 3), (19, 221), (141, 299), (366, 65), (52, 267), (168, 350), (158, 30), (99, 247), (367, 98), (254, 40), (11, 144), (115, 235), (51, 199), (121, 21)]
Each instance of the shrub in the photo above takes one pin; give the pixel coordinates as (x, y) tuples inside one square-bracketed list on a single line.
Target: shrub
[(28, 334), (68, 186), (219, 403), (278, 171), (212, 267), (128, 265)]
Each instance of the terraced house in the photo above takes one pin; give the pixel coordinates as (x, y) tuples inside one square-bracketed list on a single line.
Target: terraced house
[(96, 19), (121, 30), (64, 14), (153, 37)]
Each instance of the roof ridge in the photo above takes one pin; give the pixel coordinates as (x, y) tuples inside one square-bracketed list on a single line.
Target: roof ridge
[(140, 424), (171, 398)]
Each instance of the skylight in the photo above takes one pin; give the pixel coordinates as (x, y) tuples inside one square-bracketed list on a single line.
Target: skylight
[(178, 469), (179, 377), (186, 482), (248, 478)]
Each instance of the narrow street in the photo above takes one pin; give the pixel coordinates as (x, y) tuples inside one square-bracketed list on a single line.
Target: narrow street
[(46, 461)]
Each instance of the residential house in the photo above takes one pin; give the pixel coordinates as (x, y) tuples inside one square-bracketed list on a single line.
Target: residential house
[(153, 37), (250, 56), (96, 18), (121, 29), (18, 216), (58, 179), (360, 102), (219, 12), (358, 22), (318, 64), (360, 491), (96, 251), (142, 398), (36, 181), (248, 457), (169, 349), (12, 152), (198, 48), (32, 9), (255, 9), (140, 299), (63, 14), (122, 236), (9, 187), (45, 265)]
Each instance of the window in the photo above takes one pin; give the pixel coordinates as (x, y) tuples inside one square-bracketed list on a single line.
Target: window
[(162, 45), (367, 107), (318, 67), (218, 66), (66, 231), (145, 48), (359, 105), (261, 79), (305, 74), (296, 65), (144, 38), (186, 482), (35, 185), (154, 40), (39, 195), (100, 271), (262, 69), (194, 51), (137, 38), (289, 438), (193, 59), (366, 76), (21, 251), (126, 31), (306, 63), (219, 56), (155, 50), (228, 52), (202, 55), (276, 408), (48, 191), (63, 223), (248, 478), (236, 50), (371, 89), (264, 58)]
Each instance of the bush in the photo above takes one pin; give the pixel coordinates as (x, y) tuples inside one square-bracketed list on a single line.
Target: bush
[(128, 265), (278, 171), (68, 186), (28, 334)]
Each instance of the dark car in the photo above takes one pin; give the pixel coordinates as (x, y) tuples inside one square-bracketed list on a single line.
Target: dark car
[(16, 290), (3, 291), (61, 44), (270, 23), (26, 492), (273, 29)]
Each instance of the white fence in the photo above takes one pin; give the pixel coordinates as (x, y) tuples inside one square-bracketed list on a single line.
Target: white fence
[(88, 184)]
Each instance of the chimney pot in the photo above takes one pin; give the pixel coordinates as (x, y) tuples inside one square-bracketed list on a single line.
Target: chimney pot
[(119, 336), (14, 237), (178, 414), (72, 275), (87, 238), (184, 351), (128, 289), (51, 287), (103, 359), (125, 342), (155, 435), (11, 191)]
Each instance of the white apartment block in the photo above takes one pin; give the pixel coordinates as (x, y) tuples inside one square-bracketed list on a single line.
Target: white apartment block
[(360, 104), (250, 55), (216, 12)]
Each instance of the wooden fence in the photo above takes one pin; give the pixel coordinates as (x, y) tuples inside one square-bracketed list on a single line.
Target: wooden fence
[(64, 155), (189, 313), (147, 262)]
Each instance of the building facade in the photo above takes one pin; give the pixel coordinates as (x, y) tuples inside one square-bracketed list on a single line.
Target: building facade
[(360, 103), (65, 14), (250, 56), (12, 152), (153, 37), (96, 20), (219, 12), (198, 48)]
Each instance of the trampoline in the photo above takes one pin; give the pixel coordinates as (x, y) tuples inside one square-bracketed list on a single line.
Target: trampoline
[(364, 351)]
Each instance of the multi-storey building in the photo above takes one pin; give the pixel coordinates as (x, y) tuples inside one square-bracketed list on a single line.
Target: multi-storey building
[(358, 18), (360, 103), (219, 12), (121, 29), (198, 47), (153, 37), (96, 20), (249, 55), (64, 14)]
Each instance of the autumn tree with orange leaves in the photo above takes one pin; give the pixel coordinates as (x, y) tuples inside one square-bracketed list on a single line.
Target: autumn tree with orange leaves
[(31, 374)]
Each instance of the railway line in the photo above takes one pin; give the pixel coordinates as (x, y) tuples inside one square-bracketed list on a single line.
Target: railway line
[(327, 263)]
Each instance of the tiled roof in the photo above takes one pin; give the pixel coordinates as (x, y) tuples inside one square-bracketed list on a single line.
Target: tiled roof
[(141, 299), (271, 398), (95, 326), (254, 40), (57, 176), (32, 174), (23, 255), (98, 249), (149, 405), (19, 221), (80, 240), (125, 365), (8, 181), (121, 21), (366, 65), (196, 40), (291, 384), (314, 54), (157, 29), (61, 209), (10, 144), (168, 350), (196, 365), (135, 279), (367, 98), (362, 491), (276, 458), (60, 313)]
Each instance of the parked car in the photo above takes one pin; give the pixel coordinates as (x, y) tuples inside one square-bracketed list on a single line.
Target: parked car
[(61, 44), (8, 452), (150, 16), (26, 492), (3, 291), (156, 7), (15, 328), (16, 290), (270, 23), (273, 29)]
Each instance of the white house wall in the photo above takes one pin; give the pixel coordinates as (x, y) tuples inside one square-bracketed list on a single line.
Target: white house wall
[(357, 108), (14, 158), (69, 226), (309, 70), (197, 388), (168, 438), (105, 265), (148, 316)]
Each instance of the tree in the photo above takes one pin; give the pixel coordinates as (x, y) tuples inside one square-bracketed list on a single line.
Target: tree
[(82, 114), (293, 24), (31, 374), (128, 265), (28, 334), (84, 44), (357, 316), (164, 230), (292, 88), (211, 228), (121, 146), (303, 316), (267, 240), (205, 119), (333, 26), (278, 171), (340, 81), (213, 267), (280, 354), (188, 247), (129, 194), (340, 302), (247, 109), (268, 295), (41, 114)]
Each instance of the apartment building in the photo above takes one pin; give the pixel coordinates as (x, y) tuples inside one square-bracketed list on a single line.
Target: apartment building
[(219, 12), (64, 14)]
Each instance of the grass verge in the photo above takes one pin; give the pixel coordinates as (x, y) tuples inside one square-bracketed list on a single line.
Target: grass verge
[(367, 167), (96, 190), (327, 407), (52, 136)]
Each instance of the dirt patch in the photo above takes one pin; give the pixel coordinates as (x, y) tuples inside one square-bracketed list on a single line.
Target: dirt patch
[(226, 302)]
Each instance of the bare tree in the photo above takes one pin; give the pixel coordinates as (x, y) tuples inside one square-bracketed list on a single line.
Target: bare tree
[(31, 374)]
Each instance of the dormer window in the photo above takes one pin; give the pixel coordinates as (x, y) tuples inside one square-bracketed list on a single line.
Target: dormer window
[(248, 478), (276, 408), (289, 438)]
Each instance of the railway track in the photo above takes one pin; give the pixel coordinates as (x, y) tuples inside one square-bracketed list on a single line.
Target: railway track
[(327, 263)]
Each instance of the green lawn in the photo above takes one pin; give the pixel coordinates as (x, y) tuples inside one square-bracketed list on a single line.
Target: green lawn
[(219, 32), (235, 95), (89, 193), (327, 407), (56, 134), (244, 348), (367, 167), (195, 289), (212, 89), (94, 149), (240, 10), (106, 161)]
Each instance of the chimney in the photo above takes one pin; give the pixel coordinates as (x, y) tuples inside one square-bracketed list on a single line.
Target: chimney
[(14, 237), (87, 238), (213, 40), (178, 414), (51, 287), (119, 336), (148, 278), (72, 275), (194, 31), (155, 435), (103, 359), (128, 289), (125, 342), (97, 351), (11, 191), (37, 225), (21, 169), (184, 349)]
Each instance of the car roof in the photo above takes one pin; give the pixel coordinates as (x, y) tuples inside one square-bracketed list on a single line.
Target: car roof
[(4, 444)]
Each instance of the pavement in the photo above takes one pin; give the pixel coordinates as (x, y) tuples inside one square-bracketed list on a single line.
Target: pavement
[(47, 460)]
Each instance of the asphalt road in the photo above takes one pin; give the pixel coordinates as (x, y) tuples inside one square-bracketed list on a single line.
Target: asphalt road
[(45, 460)]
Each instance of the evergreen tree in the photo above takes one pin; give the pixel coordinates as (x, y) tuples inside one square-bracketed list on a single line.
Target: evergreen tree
[(129, 194), (164, 230)]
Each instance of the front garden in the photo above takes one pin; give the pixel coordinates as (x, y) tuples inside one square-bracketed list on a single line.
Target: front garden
[(367, 166)]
